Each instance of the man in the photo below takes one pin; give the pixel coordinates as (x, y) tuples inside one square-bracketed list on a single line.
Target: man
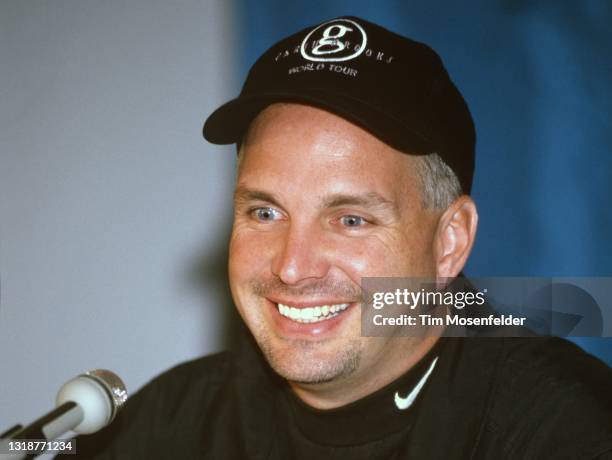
[(355, 160)]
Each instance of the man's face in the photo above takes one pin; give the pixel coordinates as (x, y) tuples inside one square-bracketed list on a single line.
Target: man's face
[(319, 204)]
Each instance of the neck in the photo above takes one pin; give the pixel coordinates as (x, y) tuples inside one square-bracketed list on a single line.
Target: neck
[(363, 382)]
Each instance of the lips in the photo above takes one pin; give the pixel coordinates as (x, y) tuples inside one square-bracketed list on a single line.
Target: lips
[(309, 319), (313, 314)]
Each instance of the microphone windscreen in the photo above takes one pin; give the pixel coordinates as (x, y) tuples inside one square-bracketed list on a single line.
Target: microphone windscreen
[(100, 393)]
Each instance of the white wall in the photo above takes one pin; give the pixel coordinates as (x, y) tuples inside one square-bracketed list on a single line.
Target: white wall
[(109, 196)]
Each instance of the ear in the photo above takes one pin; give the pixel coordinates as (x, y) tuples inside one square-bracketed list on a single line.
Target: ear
[(455, 237)]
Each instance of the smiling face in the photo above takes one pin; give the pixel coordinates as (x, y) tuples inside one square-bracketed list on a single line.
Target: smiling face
[(319, 204)]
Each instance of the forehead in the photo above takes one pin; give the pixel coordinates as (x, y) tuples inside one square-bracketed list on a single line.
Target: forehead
[(314, 148)]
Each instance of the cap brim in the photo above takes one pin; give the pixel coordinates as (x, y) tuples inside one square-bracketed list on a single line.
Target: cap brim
[(228, 123)]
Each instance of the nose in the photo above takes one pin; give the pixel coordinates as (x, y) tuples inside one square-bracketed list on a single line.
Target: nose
[(301, 255)]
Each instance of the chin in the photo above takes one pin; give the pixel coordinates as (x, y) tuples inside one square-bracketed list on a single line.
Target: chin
[(302, 361)]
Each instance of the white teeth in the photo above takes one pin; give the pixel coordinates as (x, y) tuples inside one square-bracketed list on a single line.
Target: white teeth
[(311, 314)]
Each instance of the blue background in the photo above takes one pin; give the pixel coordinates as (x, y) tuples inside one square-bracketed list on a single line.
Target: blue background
[(538, 80)]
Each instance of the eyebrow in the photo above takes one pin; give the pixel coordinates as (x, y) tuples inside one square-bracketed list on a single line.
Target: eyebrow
[(366, 200), (370, 200), (244, 194)]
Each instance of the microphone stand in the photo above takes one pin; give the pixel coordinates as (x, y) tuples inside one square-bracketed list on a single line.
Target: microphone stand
[(46, 429)]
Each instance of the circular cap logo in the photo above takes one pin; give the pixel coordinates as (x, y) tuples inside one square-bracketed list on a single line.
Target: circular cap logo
[(336, 40)]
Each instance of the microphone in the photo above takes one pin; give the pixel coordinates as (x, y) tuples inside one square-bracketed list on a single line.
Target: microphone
[(85, 404)]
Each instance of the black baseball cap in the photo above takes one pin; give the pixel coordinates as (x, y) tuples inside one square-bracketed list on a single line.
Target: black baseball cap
[(392, 86)]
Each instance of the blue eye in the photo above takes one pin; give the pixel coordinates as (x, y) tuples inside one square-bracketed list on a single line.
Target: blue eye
[(352, 221), (265, 214)]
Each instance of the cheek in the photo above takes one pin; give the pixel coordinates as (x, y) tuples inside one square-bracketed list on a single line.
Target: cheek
[(417, 250), (387, 254), (362, 257), (249, 252), (245, 264)]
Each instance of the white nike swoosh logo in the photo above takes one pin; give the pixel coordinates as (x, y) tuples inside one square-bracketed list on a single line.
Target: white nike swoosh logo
[(405, 403)]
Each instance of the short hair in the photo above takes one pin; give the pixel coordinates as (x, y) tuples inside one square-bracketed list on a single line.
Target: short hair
[(440, 185)]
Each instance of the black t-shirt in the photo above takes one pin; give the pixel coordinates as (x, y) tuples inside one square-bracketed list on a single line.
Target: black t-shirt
[(498, 398), (371, 428)]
